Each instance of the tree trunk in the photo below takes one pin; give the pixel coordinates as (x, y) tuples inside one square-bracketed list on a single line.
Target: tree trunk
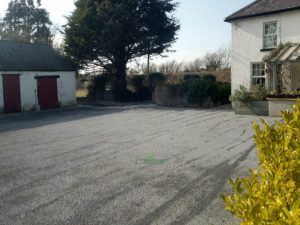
[(120, 84)]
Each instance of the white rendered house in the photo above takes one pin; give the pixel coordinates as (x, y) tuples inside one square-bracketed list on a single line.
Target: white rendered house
[(34, 77), (259, 28)]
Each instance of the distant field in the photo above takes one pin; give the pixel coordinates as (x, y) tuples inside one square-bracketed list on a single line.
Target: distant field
[(81, 93)]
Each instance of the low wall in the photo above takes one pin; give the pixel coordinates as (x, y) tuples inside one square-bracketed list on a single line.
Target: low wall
[(166, 96), (259, 108), (276, 106)]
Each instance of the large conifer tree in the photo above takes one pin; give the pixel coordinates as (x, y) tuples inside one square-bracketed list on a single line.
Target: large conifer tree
[(110, 33)]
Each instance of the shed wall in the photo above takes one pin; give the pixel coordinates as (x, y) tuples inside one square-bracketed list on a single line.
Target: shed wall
[(66, 86)]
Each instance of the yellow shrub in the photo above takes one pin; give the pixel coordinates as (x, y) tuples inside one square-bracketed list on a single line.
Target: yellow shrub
[(271, 195)]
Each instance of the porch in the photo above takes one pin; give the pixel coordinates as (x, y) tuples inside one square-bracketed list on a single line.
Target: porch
[(283, 70), (283, 78)]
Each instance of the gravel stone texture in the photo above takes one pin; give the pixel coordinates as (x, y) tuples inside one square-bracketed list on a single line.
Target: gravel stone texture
[(122, 165)]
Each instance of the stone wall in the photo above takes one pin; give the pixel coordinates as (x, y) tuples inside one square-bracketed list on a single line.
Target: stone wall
[(166, 95)]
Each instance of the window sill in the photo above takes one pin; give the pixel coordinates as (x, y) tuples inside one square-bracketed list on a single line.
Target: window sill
[(266, 49)]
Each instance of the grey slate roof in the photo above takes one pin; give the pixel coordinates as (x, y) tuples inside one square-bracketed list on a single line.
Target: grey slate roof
[(264, 7), (16, 56)]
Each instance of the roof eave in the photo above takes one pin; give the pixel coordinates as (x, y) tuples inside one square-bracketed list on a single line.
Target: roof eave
[(230, 19)]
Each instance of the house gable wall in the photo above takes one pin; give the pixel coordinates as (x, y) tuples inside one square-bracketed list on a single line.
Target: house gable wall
[(247, 42), (66, 86)]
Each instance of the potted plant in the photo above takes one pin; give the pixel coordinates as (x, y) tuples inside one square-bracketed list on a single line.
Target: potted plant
[(251, 101)]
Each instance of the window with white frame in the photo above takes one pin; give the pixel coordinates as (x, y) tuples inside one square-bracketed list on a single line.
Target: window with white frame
[(258, 74), (270, 35)]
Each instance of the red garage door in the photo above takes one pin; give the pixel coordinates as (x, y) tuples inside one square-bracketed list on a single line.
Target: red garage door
[(47, 92), (11, 93)]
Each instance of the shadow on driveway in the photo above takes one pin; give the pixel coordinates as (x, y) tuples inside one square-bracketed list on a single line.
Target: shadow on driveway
[(19, 121), (11, 122)]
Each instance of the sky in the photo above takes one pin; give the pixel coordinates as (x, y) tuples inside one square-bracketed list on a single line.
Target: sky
[(202, 24)]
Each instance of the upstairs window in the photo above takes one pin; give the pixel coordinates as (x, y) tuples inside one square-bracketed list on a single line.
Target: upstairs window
[(270, 35), (258, 74)]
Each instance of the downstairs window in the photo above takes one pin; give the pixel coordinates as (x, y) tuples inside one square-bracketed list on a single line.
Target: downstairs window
[(258, 74)]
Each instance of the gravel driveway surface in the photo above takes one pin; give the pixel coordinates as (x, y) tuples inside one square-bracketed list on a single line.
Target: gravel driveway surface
[(129, 165)]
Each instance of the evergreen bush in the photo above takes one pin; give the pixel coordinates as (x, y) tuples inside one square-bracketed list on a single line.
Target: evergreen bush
[(271, 194), (255, 93), (97, 85), (155, 79), (141, 90), (204, 91)]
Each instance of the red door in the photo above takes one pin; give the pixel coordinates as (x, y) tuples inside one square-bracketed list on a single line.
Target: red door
[(11, 93), (47, 92)]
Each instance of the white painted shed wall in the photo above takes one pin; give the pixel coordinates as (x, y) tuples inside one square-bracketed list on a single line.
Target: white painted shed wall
[(66, 88), (247, 41)]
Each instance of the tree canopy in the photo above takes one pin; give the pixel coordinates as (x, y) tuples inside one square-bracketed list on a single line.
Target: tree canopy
[(26, 21), (110, 33)]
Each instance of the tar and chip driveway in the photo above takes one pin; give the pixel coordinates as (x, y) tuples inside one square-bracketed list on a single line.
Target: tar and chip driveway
[(137, 165)]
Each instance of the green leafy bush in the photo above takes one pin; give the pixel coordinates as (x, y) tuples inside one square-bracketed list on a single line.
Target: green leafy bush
[(200, 90), (142, 91), (97, 85), (259, 93), (189, 77), (155, 79), (209, 77), (207, 91), (255, 93), (271, 195), (123, 95), (137, 81), (290, 94), (223, 93)]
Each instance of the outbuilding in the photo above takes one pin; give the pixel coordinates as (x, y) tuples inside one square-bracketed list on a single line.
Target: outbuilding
[(34, 77)]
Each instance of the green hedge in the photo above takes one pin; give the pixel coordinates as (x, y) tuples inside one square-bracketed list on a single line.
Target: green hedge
[(142, 90), (155, 79), (97, 86), (203, 91)]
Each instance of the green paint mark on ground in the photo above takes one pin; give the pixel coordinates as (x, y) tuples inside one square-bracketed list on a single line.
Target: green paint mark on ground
[(150, 160)]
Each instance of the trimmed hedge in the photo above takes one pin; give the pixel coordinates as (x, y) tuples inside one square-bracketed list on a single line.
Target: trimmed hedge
[(206, 92), (155, 79), (142, 90)]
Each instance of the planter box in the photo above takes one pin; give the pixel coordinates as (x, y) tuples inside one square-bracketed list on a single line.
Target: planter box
[(277, 105), (259, 108)]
